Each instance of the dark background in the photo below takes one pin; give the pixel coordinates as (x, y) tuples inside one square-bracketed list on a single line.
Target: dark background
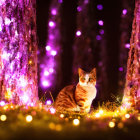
[(112, 17)]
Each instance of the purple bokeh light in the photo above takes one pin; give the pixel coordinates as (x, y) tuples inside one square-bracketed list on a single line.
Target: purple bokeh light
[(101, 31), (78, 33), (79, 8), (100, 7), (127, 45), (60, 1), (53, 52), (45, 83), (46, 73), (48, 102), (48, 48), (54, 12), (98, 37), (100, 22), (124, 12), (121, 69), (51, 24)]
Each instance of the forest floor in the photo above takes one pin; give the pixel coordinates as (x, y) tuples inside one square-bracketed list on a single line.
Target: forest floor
[(43, 124)]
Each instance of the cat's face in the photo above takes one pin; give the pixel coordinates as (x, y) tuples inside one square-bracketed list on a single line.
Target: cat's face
[(87, 79)]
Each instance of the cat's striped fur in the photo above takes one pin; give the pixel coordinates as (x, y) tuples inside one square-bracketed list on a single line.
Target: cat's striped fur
[(78, 98)]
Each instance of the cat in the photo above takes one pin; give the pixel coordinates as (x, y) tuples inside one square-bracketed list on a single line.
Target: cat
[(78, 98)]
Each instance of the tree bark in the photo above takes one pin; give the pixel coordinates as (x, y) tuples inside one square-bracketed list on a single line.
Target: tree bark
[(132, 88), (18, 51)]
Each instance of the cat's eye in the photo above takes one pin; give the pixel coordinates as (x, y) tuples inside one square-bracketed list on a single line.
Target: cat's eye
[(83, 79)]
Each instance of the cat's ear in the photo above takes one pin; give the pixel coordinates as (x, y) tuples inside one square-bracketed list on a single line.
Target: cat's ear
[(81, 72), (93, 71)]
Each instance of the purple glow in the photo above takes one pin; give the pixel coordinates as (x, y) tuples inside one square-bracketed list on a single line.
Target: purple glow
[(101, 31), (79, 9), (100, 7), (46, 73), (51, 70), (124, 11), (48, 48), (127, 45), (120, 68), (45, 83), (0, 28), (98, 37), (2, 103), (54, 12), (86, 1), (100, 22), (53, 53), (60, 1), (48, 102), (78, 33), (51, 24)]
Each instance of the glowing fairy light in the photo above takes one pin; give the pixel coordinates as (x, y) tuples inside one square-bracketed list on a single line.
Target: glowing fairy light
[(51, 24), (61, 115), (127, 45), (46, 73), (124, 12), (100, 22), (120, 68), (3, 118), (54, 12), (79, 8), (100, 7), (2, 103), (45, 83), (52, 110), (111, 124), (98, 37), (76, 122), (48, 48), (101, 111), (48, 102), (78, 33), (53, 52), (29, 118), (138, 118), (127, 116), (97, 115)]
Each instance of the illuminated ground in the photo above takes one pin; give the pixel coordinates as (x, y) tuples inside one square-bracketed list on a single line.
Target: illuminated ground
[(44, 123)]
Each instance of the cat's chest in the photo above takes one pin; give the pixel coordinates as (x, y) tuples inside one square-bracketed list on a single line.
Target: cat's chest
[(88, 92)]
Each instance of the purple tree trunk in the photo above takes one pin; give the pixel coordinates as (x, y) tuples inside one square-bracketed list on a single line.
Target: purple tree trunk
[(132, 88), (18, 51)]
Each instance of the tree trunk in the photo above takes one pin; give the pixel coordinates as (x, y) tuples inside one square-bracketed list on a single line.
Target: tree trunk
[(132, 88), (18, 51)]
